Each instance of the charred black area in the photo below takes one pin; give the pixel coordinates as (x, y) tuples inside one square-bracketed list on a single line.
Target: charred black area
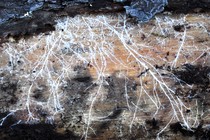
[(177, 127), (190, 74), (198, 132), (34, 132), (179, 28), (9, 121), (153, 123)]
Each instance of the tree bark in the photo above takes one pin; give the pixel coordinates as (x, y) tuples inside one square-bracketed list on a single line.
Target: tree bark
[(28, 17), (187, 5)]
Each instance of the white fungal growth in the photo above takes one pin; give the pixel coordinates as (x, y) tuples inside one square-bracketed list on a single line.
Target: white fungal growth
[(110, 45)]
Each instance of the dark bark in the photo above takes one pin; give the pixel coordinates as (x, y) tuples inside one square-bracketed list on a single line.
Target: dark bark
[(187, 5), (27, 17)]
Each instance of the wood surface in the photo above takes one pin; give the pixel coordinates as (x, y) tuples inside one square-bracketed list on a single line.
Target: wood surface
[(106, 77)]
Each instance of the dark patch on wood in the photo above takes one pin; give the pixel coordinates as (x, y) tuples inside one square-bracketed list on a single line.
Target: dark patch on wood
[(178, 127), (39, 93), (77, 91), (83, 79), (153, 123), (118, 89), (8, 89), (179, 28), (7, 122), (39, 131), (199, 132), (191, 74)]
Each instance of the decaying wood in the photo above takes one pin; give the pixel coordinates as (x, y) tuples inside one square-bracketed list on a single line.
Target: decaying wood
[(19, 18), (29, 17), (102, 77)]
